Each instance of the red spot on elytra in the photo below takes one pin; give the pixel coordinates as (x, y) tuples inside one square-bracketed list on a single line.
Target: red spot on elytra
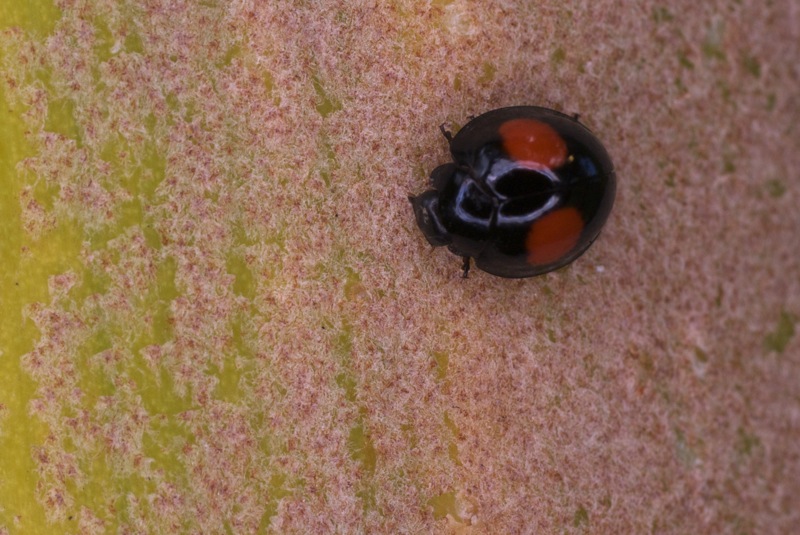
[(553, 235), (533, 143)]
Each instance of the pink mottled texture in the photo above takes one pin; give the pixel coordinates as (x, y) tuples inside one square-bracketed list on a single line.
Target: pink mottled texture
[(272, 347)]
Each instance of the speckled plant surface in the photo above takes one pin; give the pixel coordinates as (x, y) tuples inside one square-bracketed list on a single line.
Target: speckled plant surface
[(218, 315)]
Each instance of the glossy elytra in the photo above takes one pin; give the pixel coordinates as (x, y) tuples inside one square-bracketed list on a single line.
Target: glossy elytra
[(527, 192)]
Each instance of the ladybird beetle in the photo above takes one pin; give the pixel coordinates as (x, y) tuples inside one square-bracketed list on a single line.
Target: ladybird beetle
[(527, 192)]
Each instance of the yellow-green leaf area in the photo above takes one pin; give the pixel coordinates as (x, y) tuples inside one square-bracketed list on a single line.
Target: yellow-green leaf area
[(36, 16), (61, 119), (778, 339), (442, 361), (444, 505), (362, 448), (244, 283), (326, 103)]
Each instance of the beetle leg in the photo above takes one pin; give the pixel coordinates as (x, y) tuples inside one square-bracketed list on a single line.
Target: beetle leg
[(465, 267)]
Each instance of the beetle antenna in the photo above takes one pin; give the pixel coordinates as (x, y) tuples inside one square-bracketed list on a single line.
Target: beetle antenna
[(446, 133)]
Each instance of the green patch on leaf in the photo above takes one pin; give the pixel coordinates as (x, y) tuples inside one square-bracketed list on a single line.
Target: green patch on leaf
[(326, 103), (581, 517), (133, 43), (684, 61), (442, 361), (752, 65), (488, 74), (277, 490), (244, 283), (776, 188), (700, 355), (348, 383), (444, 505), (728, 165), (362, 449), (746, 442), (61, 119), (778, 339), (662, 14)]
